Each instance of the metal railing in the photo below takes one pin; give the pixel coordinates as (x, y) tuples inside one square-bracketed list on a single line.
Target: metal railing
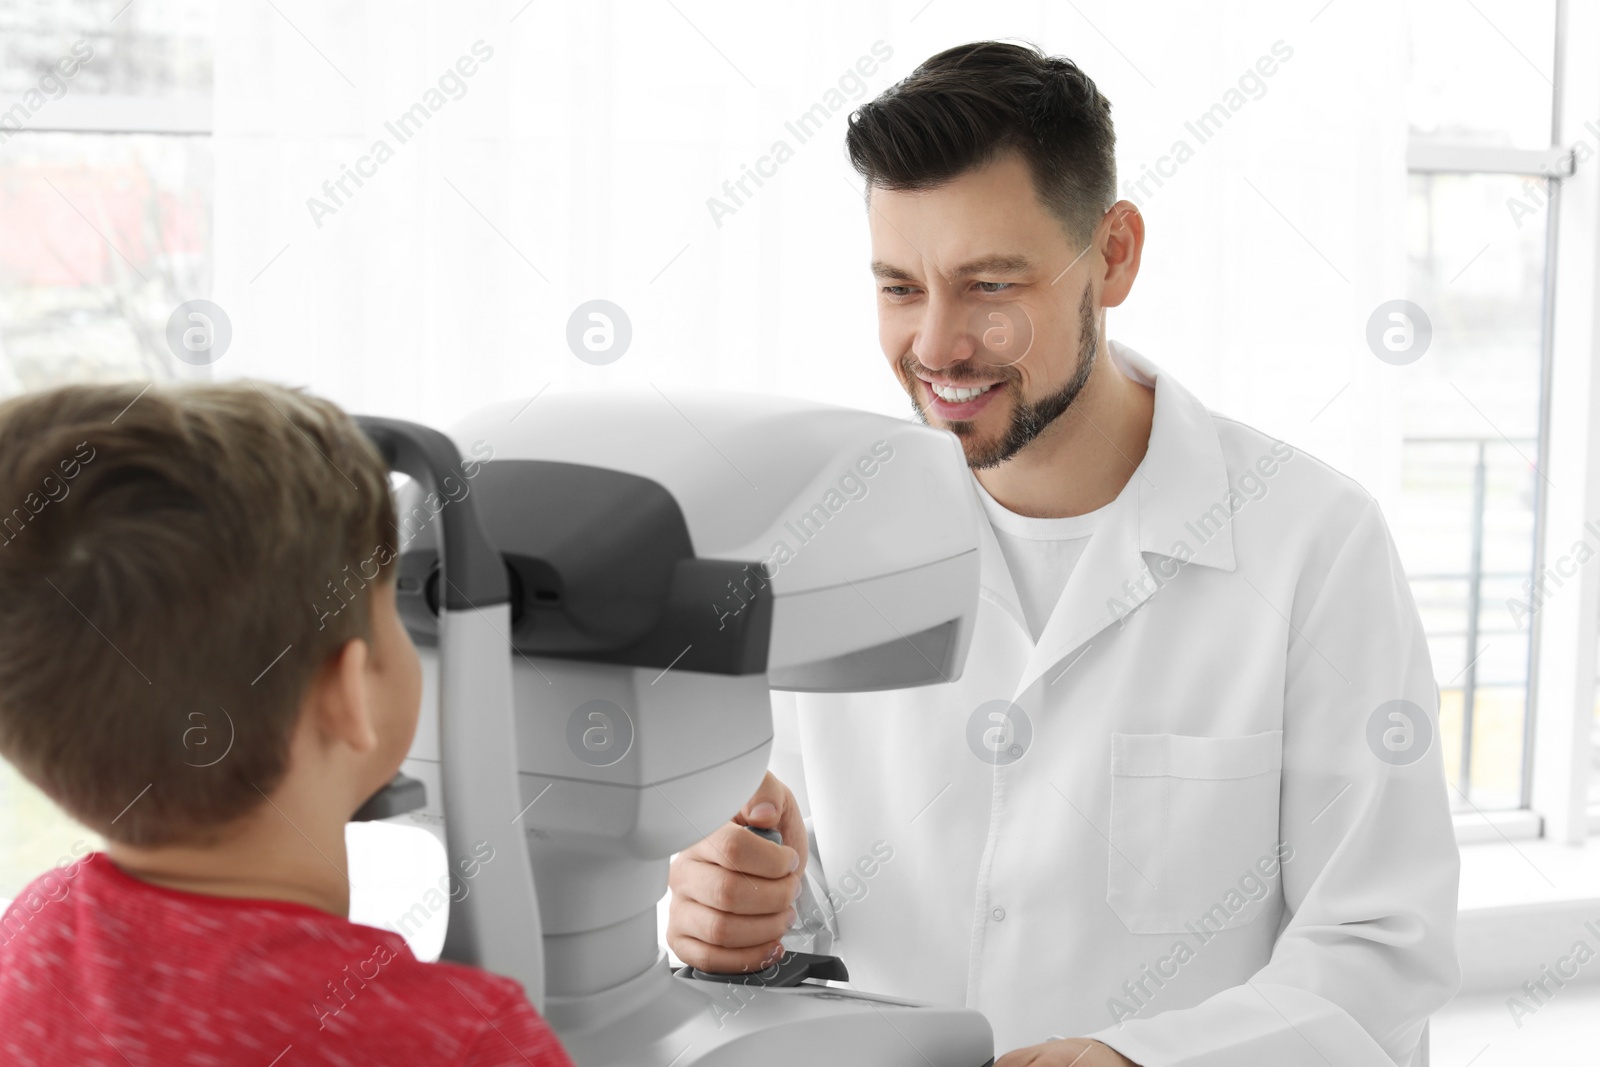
[(1474, 577)]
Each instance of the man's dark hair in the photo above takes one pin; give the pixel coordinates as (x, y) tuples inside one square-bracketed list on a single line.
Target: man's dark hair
[(970, 104)]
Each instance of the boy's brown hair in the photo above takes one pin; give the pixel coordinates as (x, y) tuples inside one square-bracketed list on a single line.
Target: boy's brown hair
[(176, 562)]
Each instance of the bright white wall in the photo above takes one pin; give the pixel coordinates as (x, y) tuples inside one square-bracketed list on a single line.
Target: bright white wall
[(579, 161)]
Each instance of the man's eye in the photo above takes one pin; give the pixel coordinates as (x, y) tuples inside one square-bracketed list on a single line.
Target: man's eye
[(999, 287), (897, 290)]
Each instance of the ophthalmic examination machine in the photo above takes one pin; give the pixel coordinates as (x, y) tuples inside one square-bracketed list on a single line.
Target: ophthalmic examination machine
[(604, 588)]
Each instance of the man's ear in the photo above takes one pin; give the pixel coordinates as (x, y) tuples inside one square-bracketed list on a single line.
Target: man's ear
[(338, 698), (1121, 245)]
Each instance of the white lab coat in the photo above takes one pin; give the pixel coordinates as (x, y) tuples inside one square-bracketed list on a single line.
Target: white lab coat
[(1202, 738)]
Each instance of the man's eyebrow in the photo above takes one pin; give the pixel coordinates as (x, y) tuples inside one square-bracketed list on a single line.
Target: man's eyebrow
[(996, 264)]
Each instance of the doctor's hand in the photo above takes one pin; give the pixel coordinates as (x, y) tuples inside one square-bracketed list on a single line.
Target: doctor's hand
[(733, 893), (1074, 1052)]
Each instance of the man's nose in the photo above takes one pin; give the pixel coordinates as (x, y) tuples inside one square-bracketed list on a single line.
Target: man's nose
[(943, 336)]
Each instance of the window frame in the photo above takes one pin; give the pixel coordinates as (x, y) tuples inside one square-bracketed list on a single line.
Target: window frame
[(110, 113), (1565, 634), (1555, 759)]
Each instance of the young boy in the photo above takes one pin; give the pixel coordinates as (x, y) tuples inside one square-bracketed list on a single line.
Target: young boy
[(170, 675)]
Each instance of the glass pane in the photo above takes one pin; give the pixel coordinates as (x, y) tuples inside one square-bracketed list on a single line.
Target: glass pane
[(1476, 267), (1471, 411), (1481, 72), (105, 236), (145, 48), (1489, 667)]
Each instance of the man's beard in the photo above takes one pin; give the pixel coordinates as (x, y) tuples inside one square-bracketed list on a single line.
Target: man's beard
[(1028, 421)]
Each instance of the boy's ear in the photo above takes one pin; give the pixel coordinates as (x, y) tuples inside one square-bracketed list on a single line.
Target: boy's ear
[(338, 697)]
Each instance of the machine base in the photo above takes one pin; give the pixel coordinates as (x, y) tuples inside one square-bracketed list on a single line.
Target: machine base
[(686, 1022)]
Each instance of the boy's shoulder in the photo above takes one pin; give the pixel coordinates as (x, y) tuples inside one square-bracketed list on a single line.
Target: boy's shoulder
[(156, 966)]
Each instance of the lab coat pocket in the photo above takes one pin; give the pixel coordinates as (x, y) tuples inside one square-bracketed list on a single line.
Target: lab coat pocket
[(1194, 830)]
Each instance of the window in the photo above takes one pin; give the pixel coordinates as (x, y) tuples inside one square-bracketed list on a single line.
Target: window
[(1481, 108), (105, 182), (105, 201)]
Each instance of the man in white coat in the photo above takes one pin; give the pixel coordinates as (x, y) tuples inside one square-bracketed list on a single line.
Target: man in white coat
[(1185, 804)]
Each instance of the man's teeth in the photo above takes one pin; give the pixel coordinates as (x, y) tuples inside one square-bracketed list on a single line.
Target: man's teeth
[(956, 396)]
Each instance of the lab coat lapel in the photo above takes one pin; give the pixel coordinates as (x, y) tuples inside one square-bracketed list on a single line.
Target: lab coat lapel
[(1183, 477)]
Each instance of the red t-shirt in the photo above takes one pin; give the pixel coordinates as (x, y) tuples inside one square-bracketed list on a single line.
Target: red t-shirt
[(97, 967)]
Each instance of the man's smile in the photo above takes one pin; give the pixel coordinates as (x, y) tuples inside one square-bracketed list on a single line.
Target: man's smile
[(957, 401)]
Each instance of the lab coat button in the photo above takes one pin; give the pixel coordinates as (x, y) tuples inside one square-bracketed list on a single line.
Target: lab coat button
[(999, 914)]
